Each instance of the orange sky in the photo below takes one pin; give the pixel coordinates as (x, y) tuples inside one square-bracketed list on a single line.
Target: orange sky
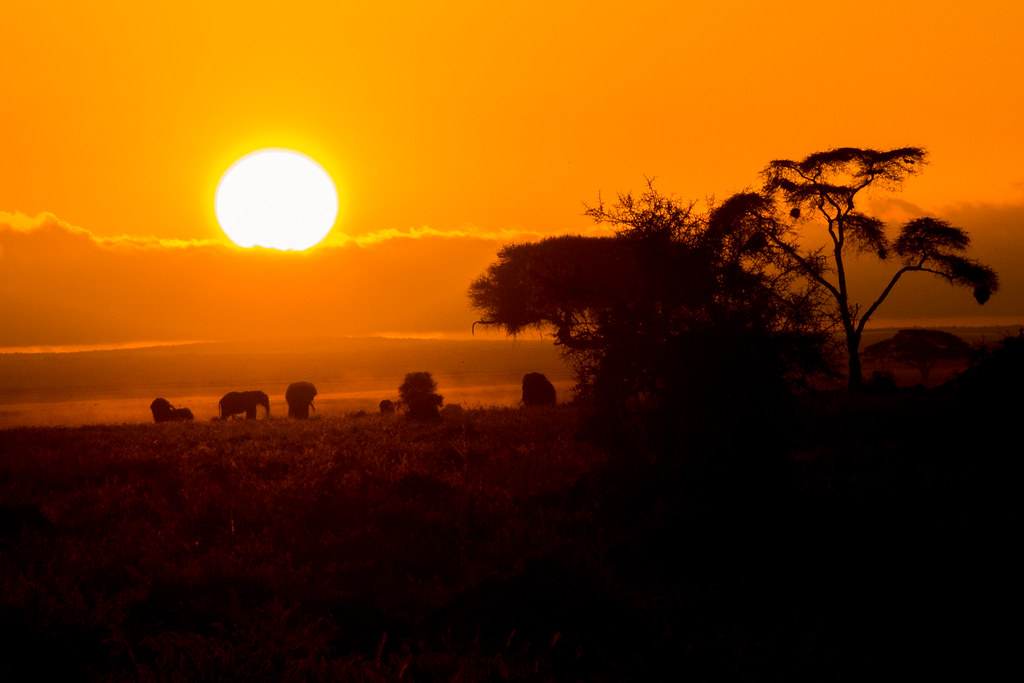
[(451, 128)]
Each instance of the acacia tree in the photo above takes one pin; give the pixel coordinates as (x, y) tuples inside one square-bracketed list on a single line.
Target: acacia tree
[(826, 187), (679, 312)]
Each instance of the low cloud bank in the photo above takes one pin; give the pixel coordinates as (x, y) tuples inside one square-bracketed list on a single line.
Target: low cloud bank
[(997, 240), (61, 285)]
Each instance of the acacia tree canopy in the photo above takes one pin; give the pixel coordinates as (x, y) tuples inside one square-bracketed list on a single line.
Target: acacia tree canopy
[(677, 306), (573, 284), (825, 187)]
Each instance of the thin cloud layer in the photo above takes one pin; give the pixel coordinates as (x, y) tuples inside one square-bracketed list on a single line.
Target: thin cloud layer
[(925, 301), (19, 222), (468, 232), (60, 284)]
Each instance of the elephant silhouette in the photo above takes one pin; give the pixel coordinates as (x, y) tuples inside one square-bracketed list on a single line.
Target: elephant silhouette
[(236, 402), (537, 390), (163, 411), (299, 396)]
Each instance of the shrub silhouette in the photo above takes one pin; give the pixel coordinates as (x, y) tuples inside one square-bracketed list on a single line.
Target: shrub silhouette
[(993, 382), (452, 410), (419, 396), (683, 319)]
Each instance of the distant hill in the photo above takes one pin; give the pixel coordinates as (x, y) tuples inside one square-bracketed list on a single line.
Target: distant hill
[(972, 335), (943, 371)]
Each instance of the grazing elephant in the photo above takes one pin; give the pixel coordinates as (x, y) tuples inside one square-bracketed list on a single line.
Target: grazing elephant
[(163, 411), (236, 402), (537, 390), (300, 399)]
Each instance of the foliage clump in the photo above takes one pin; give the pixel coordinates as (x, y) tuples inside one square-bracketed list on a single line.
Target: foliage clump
[(826, 189), (682, 317), (419, 395)]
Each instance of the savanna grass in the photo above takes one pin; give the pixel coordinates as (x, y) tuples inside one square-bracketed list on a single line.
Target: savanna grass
[(498, 544), (273, 549)]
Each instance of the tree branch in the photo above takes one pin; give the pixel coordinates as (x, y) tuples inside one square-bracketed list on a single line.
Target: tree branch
[(805, 266), (919, 268)]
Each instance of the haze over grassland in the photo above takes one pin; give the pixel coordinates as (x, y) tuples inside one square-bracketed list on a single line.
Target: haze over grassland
[(350, 374)]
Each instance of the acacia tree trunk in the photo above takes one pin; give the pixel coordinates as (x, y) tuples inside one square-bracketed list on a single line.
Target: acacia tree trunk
[(856, 378)]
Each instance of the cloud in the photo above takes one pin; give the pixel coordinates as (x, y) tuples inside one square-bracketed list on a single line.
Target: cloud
[(60, 285), (996, 232), (467, 232), (19, 222)]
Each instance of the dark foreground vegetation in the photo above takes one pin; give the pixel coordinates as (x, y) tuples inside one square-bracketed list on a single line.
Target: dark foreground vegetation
[(507, 545)]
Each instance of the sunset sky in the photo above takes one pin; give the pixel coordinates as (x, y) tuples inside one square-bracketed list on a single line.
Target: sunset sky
[(451, 128)]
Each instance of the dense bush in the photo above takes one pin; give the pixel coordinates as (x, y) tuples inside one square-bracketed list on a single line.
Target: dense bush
[(419, 396), (683, 324)]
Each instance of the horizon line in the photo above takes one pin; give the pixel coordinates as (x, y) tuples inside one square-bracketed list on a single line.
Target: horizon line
[(39, 349), (880, 324)]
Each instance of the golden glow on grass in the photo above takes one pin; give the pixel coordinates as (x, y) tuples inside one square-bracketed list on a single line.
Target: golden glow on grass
[(276, 198)]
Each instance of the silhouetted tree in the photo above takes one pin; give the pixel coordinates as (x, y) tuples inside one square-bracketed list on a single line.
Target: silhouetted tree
[(994, 380), (419, 395), (826, 187), (920, 349), (680, 313)]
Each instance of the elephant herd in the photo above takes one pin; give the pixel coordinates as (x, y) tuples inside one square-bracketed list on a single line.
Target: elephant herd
[(299, 396), (537, 391)]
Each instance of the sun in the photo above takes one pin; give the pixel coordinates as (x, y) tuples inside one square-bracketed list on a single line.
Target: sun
[(276, 198)]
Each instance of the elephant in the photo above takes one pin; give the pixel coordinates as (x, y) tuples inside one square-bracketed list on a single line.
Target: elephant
[(236, 402), (537, 390), (163, 411), (300, 399)]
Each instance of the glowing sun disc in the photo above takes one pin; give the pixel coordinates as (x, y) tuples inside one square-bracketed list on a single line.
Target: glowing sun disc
[(276, 198)]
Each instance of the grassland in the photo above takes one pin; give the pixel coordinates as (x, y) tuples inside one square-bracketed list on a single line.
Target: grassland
[(495, 544)]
